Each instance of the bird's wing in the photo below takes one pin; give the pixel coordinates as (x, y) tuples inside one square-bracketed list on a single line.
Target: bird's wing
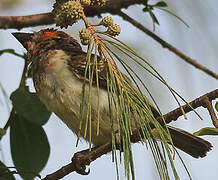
[(79, 69)]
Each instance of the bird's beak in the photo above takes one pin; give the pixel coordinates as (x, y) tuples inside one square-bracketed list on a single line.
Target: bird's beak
[(23, 38)]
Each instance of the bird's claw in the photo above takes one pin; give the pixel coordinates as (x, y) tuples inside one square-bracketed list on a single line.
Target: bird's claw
[(80, 163), (81, 169)]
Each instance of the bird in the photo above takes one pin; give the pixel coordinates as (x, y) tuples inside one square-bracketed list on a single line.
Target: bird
[(58, 71)]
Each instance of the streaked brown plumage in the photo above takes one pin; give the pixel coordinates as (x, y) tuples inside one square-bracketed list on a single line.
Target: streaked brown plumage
[(58, 67)]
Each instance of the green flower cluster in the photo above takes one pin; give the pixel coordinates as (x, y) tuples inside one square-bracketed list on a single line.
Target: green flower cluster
[(113, 29), (67, 12), (98, 2), (85, 36)]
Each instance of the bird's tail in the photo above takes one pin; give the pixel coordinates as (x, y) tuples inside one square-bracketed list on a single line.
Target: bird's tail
[(187, 142)]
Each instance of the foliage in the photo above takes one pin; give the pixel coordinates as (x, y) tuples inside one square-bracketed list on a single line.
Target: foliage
[(29, 147), (29, 106), (5, 173), (207, 131), (29, 144), (159, 5)]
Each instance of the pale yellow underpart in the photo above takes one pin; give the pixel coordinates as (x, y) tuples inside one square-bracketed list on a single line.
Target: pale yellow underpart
[(61, 92)]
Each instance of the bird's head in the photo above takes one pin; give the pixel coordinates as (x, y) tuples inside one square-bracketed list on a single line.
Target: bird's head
[(45, 39)]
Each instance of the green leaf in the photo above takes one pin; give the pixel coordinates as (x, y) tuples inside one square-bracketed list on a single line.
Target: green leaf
[(2, 132), (160, 4), (149, 9), (216, 106), (145, 9), (5, 173), (29, 106), (154, 17), (29, 147), (207, 131), (177, 17)]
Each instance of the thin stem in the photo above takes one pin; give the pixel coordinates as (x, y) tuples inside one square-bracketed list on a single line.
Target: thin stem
[(22, 82)]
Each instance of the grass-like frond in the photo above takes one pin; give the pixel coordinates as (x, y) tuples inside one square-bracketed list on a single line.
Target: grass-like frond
[(136, 58), (128, 108)]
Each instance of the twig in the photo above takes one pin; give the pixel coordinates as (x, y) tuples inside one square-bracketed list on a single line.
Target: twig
[(113, 7), (209, 107), (135, 137), (167, 45), (173, 115), (19, 22), (11, 51), (22, 81), (85, 160)]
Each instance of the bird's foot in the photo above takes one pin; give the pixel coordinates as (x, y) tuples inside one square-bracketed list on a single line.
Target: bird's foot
[(81, 160)]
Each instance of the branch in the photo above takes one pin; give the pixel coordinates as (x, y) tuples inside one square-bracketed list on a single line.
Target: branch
[(19, 22), (203, 101), (167, 45), (113, 7), (82, 159)]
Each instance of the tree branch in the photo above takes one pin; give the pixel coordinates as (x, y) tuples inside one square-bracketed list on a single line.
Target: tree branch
[(97, 152), (113, 7), (167, 45), (82, 160), (199, 102), (19, 22)]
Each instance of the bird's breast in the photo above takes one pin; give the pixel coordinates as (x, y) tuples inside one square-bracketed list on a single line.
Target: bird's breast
[(61, 91)]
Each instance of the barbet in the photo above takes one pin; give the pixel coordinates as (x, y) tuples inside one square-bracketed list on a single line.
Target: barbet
[(58, 70)]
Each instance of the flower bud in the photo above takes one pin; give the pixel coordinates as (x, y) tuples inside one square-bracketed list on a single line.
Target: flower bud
[(67, 12), (113, 30), (107, 21), (85, 2), (98, 2), (85, 36)]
